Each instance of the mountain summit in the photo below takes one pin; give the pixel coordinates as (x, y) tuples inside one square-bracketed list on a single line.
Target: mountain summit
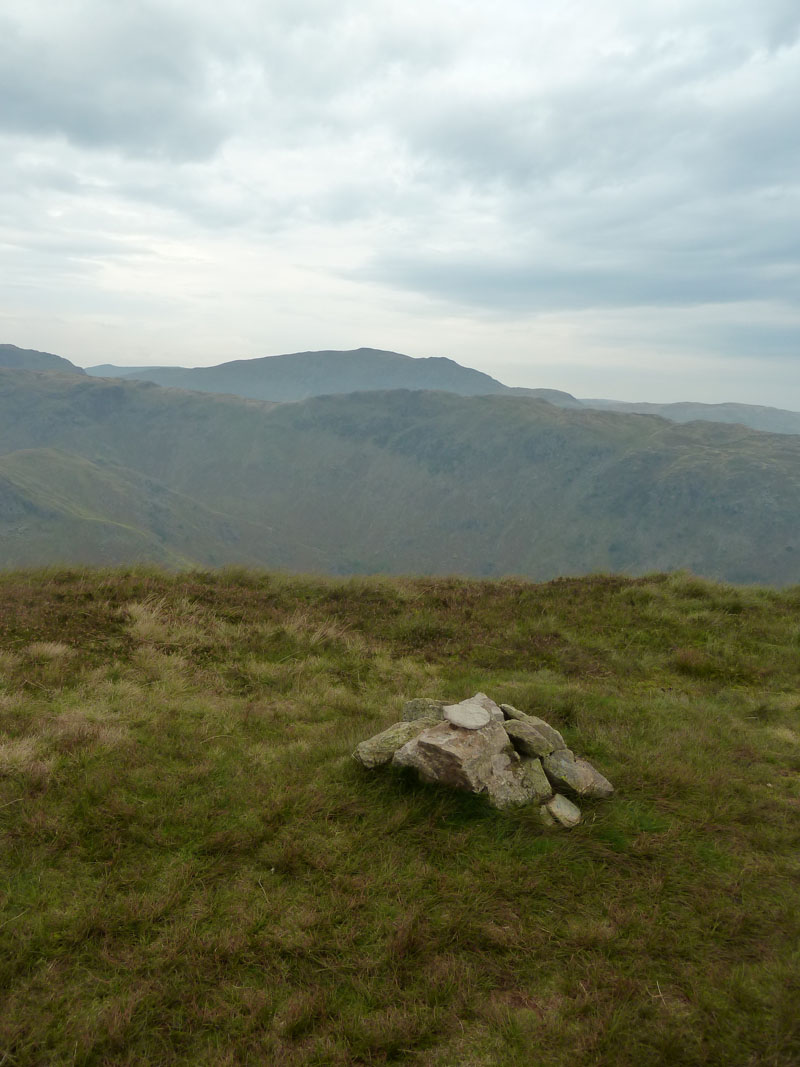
[(300, 375)]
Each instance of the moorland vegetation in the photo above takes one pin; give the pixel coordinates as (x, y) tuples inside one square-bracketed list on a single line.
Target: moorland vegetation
[(195, 871)]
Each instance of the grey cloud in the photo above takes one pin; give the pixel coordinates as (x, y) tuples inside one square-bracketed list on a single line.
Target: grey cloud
[(778, 341), (783, 24), (514, 286), (131, 78)]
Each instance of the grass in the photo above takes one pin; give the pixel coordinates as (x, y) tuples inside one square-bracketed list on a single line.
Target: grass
[(194, 870)]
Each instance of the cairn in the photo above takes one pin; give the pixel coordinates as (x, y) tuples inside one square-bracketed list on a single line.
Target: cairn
[(511, 757)]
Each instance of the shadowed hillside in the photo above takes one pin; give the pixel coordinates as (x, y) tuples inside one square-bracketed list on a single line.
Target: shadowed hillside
[(416, 482)]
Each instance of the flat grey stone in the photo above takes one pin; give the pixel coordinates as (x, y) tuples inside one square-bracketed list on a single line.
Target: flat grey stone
[(576, 775), (564, 812), (527, 738), (422, 708), (378, 750), (467, 715)]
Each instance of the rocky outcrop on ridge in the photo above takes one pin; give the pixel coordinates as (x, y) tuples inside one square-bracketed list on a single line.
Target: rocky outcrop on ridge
[(494, 749)]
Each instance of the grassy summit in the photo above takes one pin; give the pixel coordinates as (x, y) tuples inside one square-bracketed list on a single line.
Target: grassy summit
[(195, 871)]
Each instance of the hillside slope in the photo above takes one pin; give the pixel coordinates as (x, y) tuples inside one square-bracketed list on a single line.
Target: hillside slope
[(53, 502), (415, 482)]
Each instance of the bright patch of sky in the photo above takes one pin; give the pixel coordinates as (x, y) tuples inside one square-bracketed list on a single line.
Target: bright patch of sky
[(602, 198)]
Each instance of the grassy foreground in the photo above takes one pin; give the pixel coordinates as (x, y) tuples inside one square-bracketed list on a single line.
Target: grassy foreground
[(194, 871)]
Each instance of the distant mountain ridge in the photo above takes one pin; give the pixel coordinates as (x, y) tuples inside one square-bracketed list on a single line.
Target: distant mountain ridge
[(396, 481), (757, 417), (300, 375)]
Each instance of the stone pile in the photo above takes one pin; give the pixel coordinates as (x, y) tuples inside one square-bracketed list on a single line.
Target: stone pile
[(482, 747)]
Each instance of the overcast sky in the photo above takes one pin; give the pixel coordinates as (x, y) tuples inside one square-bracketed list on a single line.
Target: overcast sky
[(602, 197)]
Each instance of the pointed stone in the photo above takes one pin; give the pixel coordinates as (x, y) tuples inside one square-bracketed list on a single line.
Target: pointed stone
[(510, 712), (422, 708), (576, 775), (488, 704), (527, 738), (378, 750), (549, 732), (564, 812)]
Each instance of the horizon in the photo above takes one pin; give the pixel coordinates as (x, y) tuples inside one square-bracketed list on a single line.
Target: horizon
[(578, 396)]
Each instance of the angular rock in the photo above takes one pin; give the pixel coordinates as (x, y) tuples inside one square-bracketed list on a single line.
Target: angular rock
[(563, 811), (514, 782), (487, 703), (548, 731), (449, 755), (545, 728), (537, 782), (527, 738), (504, 786), (467, 715), (379, 749), (576, 775), (422, 708)]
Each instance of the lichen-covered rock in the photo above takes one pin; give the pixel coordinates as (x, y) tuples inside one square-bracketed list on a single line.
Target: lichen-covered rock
[(467, 715), (452, 756), (516, 782), (378, 750), (563, 811), (536, 780), (422, 708), (505, 787), (527, 738), (576, 775)]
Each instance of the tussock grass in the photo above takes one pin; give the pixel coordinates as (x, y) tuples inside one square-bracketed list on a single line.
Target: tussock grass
[(194, 871)]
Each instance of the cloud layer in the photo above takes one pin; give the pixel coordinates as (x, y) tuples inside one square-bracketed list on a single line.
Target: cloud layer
[(553, 193)]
